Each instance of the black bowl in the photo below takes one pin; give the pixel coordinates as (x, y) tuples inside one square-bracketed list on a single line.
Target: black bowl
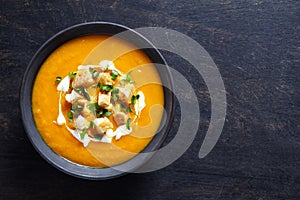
[(26, 97)]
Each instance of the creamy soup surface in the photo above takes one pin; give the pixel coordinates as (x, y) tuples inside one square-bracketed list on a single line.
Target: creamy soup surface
[(90, 51)]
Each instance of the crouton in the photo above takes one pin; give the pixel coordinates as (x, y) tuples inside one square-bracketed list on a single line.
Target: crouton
[(120, 118), (83, 79)]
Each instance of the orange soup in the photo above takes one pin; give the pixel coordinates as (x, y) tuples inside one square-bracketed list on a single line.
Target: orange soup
[(91, 50)]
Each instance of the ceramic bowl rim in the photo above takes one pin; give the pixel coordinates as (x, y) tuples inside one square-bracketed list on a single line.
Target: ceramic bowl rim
[(32, 69)]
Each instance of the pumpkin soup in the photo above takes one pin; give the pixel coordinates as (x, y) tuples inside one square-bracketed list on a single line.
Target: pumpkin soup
[(97, 100)]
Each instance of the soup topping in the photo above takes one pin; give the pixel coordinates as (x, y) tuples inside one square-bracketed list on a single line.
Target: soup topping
[(103, 101)]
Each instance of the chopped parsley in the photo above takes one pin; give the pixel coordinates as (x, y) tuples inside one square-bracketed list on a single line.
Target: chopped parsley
[(122, 107), (128, 123), (72, 74), (103, 113), (128, 78), (70, 116), (106, 88), (58, 79), (128, 109), (76, 109), (125, 109), (83, 133), (92, 124), (134, 98), (83, 92), (106, 113), (98, 111), (114, 74), (114, 93), (106, 67), (116, 90), (93, 107), (98, 136)]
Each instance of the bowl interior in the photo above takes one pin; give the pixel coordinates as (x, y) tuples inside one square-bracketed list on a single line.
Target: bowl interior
[(28, 82)]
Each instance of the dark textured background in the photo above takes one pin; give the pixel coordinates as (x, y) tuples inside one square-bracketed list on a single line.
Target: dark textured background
[(255, 45)]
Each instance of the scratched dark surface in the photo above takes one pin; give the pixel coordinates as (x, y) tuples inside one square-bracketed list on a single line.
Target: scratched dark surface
[(255, 45)]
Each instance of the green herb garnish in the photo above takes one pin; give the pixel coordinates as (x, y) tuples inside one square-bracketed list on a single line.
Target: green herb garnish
[(98, 136), (93, 107), (101, 112), (114, 93), (128, 123), (122, 107), (72, 74), (94, 73), (116, 90), (128, 78), (114, 97), (98, 111), (70, 116), (125, 109), (106, 88), (76, 108), (128, 109), (114, 74), (107, 113), (83, 92), (58, 79), (133, 99), (83, 133), (92, 124)]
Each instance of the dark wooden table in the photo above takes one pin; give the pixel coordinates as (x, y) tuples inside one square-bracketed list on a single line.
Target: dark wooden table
[(255, 45)]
